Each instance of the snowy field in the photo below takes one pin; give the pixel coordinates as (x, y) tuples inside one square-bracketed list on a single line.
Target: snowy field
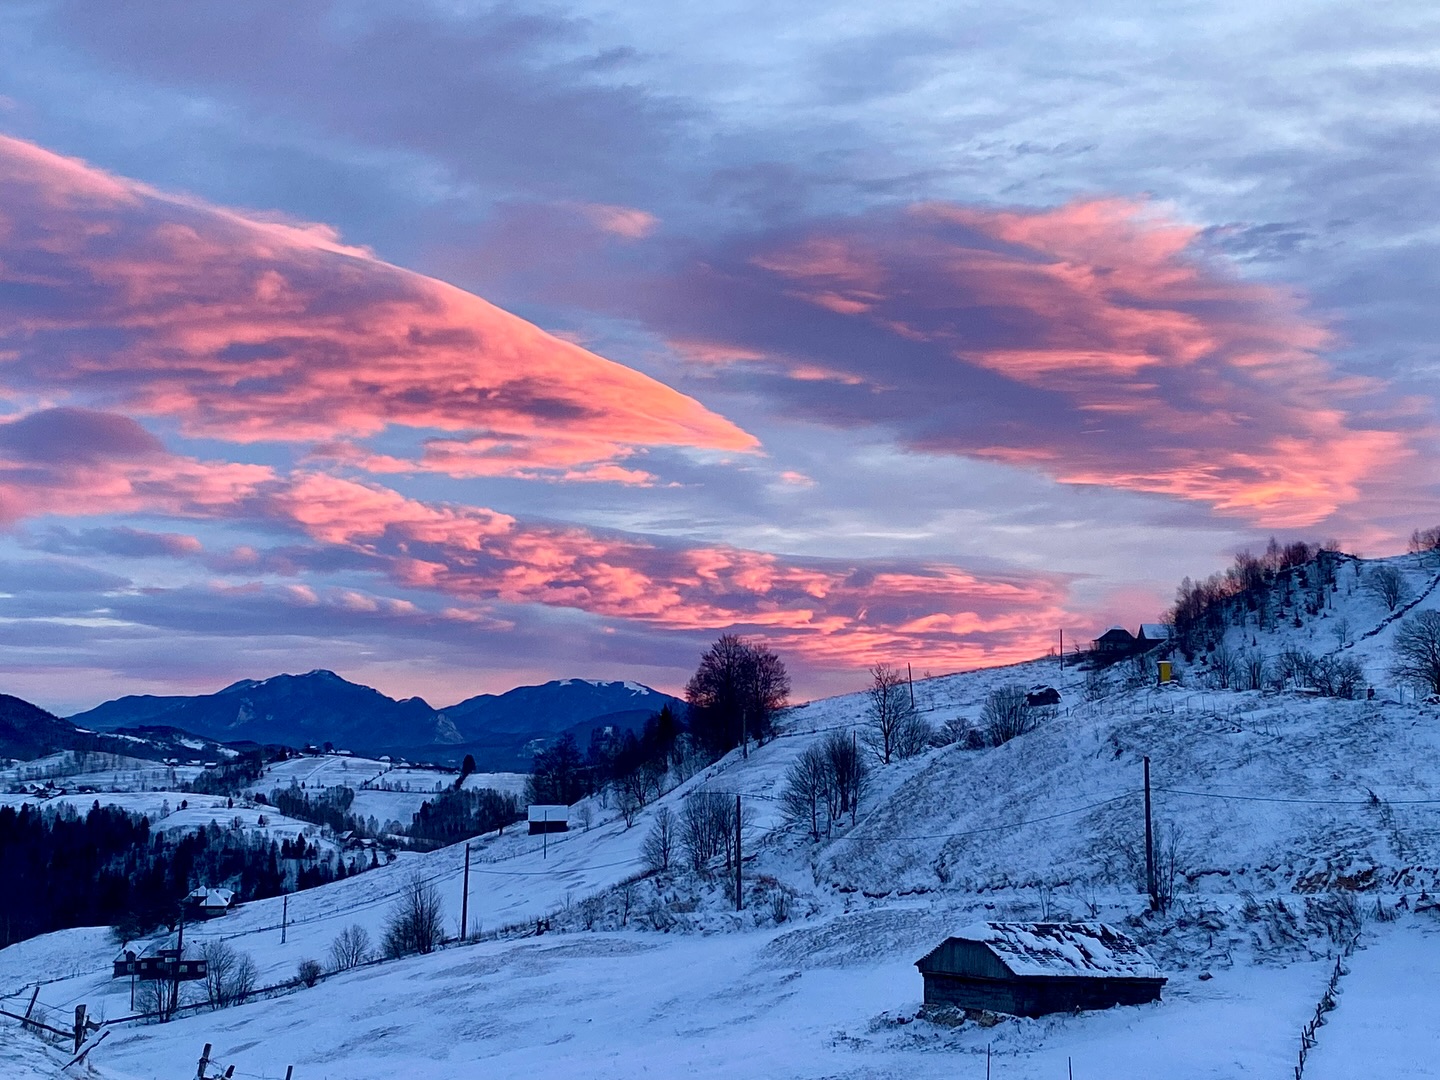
[(1272, 809)]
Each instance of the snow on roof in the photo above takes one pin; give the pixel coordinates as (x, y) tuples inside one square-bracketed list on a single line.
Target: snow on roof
[(1085, 949), (549, 813), (1154, 631), (211, 898)]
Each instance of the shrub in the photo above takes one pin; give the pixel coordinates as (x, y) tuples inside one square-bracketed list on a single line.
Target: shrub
[(350, 949), (415, 922), (1004, 715), (309, 972)]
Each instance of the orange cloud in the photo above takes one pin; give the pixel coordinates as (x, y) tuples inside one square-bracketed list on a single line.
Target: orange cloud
[(1091, 341), (249, 330)]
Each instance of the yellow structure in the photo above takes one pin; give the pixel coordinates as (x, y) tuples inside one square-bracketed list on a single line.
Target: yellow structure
[(1165, 670)]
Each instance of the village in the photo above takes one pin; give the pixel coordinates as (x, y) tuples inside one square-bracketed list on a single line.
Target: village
[(1144, 856)]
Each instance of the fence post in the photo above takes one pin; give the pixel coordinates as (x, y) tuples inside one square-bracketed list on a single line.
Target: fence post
[(79, 1026), (204, 1061)]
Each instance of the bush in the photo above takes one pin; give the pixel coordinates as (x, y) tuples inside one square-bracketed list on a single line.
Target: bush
[(1417, 651), (416, 922), (1004, 715)]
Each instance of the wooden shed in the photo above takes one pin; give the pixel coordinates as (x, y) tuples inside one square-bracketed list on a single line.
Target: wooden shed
[(1117, 641), (1030, 969), (548, 819)]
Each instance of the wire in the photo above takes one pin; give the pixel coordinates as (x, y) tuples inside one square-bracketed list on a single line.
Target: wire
[(1305, 802)]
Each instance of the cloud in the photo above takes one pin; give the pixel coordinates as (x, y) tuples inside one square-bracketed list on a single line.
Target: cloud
[(1093, 341), (251, 330), (119, 540)]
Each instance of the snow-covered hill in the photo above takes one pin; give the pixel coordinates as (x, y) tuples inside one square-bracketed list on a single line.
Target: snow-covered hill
[(1273, 808)]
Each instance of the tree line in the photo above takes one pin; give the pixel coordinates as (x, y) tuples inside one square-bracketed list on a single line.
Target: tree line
[(107, 867)]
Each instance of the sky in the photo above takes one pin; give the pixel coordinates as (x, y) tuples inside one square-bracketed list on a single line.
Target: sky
[(452, 346)]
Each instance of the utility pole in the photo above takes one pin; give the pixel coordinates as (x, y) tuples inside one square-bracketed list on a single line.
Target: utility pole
[(465, 899), (284, 917), (1062, 649), (179, 955), (1149, 844), (910, 674), (545, 835), (739, 897)]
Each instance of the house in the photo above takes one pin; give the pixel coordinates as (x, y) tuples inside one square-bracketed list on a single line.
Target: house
[(1152, 635), (207, 903), (167, 964), (1117, 640), (548, 819), (1031, 969)]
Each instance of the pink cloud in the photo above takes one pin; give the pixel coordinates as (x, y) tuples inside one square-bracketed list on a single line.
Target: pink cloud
[(1090, 341), (249, 329)]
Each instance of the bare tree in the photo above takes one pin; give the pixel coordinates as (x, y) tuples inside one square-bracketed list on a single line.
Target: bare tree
[(1417, 650), (890, 707), (416, 921), (806, 782), (1254, 669), (1004, 715), (1294, 666), (1386, 582), (1424, 541), (1225, 664), (703, 827), (1342, 631), (735, 694), (1335, 676), (849, 774), (230, 975), (660, 842), (350, 949)]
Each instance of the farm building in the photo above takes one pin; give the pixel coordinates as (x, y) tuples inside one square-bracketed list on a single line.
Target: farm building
[(206, 903), (1116, 640), (1152, 635), (548, 819), (1030, 969)]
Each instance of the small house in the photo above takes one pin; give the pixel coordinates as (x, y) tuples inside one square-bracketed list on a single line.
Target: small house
[(166, 964), (1152, 635), (548, 819), (1116, 641), (206, 903), (1031, 969)]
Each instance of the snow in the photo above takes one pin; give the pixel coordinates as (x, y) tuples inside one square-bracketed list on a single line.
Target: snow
[(1073, 949), (1274, 808)]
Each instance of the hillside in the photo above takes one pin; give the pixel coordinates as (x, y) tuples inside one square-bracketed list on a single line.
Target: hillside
[(1273, 810), (321, 707)]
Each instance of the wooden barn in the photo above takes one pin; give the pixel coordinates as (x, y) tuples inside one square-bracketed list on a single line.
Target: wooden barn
[(548, 819), (206, 903), (1117, 641), (1030, 969)]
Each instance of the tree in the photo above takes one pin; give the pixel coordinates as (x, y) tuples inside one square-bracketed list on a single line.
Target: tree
[(1386, 582), (416, 921), (806, 782), (467, 767), (309, 972), (659, 846), (735, 694), (350, 949), (849, 775), (557, 774), (896, 729), (1417, 650), (1423, 541), (230, 975), (1004, 715)]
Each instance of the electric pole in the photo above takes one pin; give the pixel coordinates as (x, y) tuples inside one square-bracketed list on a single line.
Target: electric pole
[(465, 899), (284, 916), (1149, 844), (739, 897)]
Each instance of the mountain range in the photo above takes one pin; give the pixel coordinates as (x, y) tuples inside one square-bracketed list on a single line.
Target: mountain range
[(500, 730)]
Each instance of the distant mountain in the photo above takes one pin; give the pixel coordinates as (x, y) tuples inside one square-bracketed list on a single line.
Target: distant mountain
[(28, 732), (320, 706)]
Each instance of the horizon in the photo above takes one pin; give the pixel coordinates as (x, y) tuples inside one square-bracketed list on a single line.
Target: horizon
[(880, 337)]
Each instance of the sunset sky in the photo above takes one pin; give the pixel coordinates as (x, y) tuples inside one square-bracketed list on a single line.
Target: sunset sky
[(452, 346)]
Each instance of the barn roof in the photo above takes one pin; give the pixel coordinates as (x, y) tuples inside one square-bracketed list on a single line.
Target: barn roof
[(1116, 632), (1155, 631), (553, 812), (211, 898), (1091, 950)]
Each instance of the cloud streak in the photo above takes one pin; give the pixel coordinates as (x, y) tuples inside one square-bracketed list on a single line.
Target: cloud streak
[(252, 330)]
